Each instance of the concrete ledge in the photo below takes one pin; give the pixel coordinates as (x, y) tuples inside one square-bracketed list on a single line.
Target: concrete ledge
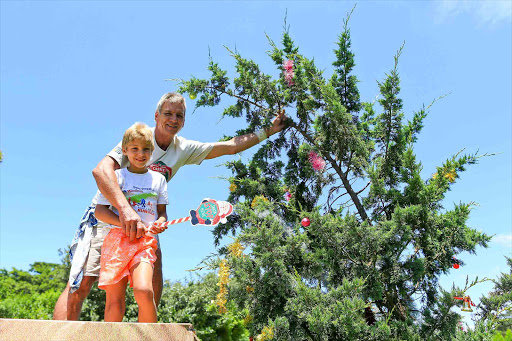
[(47, 330)]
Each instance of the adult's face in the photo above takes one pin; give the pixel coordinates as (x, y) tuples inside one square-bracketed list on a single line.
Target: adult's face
[(171, 118)]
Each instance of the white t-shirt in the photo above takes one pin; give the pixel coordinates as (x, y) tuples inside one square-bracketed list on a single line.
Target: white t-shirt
[(143, 192), (167, 162)]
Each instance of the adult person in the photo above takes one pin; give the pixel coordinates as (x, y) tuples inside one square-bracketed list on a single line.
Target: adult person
[(171, 152)]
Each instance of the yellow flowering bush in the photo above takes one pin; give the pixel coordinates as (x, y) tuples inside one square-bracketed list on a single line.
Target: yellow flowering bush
[(267, 333), (232, 187), (236, 249), (257, 200), (222, 296)]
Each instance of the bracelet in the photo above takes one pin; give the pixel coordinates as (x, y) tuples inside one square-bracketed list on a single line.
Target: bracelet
[(262, 135)]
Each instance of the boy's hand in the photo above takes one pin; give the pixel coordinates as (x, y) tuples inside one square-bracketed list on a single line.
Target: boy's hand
[(157, 228)]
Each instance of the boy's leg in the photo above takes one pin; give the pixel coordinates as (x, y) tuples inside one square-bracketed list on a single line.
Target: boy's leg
[(158, 281), (116, 302), (142, 277)]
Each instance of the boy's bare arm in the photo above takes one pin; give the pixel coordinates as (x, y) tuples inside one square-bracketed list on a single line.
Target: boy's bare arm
[(104, 214), (161, 211)]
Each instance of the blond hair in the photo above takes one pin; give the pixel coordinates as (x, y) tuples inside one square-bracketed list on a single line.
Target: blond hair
[(138, 131), (171, 97)]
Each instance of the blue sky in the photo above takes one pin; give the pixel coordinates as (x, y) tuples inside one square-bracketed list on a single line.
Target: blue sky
[(75, 75)]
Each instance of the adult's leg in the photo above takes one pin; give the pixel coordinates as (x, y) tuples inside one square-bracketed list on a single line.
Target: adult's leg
[(60, 310), (142, 276), (77, 298), (69, 306), (116, 302), (158, 281)]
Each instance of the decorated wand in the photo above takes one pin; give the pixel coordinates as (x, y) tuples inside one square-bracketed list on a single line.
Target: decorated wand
[(209, 213)]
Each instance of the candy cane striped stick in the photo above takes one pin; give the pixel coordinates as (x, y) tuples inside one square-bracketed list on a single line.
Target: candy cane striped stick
[(175, 221), (209, 213), (161, 227)]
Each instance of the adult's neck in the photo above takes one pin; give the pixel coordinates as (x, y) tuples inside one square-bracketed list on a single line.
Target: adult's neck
[(163, 140)]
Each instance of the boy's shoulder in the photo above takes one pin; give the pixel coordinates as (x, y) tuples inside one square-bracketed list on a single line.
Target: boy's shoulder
[(156, 175)]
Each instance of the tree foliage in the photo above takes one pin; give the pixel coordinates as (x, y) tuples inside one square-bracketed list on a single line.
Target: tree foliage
[(368, 265), (32, 295)]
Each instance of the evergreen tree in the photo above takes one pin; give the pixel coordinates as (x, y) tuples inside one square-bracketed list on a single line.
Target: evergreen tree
[(367, 265)]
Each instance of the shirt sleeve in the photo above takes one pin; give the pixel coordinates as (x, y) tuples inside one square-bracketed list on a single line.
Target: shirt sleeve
[(117, 154), (196, 151), (101, 198), (162, 192)]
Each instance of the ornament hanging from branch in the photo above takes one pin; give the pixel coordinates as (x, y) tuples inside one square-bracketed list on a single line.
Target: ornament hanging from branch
[(288, 72), (317, 162), (466, 304), (305, 222), (455, 262)]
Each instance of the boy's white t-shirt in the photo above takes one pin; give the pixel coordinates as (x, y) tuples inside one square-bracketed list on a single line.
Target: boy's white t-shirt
[(143, 192)]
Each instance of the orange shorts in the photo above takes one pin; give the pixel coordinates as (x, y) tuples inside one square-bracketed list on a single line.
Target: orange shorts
[(119, 255)]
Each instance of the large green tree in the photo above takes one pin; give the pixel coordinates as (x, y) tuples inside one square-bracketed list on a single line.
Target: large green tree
[(32, 294), (368, 264)]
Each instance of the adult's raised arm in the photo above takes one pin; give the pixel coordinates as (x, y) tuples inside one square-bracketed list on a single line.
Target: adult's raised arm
[(107, 184), (240, 143)]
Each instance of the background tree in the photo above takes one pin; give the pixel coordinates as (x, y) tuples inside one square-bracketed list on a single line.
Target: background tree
[(32, 294), (367, 264)]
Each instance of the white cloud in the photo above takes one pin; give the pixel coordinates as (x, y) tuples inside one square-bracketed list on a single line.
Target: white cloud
[(503, 239), (488, 13)]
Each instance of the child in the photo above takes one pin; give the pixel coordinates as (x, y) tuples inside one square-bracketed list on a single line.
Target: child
[(122, 259)]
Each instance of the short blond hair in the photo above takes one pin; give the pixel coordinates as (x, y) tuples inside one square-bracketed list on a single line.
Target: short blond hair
[(138, 131), (171, 97)]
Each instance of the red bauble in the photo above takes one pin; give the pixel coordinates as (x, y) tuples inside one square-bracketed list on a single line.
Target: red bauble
[(305, 222), (456, 266)]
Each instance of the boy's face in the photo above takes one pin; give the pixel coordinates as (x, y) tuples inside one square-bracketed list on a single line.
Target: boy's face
[(138, 152)]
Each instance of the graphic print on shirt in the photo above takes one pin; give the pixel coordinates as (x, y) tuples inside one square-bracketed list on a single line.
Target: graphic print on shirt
[(161, 168), (141, 202)]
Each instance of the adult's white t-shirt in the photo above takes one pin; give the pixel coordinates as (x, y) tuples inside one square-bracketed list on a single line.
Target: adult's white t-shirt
[(167, 162)]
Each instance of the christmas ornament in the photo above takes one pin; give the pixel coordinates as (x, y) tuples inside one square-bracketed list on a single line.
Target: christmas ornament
[(192, 95), (466, 304), (287, 196), (305, 222), (455, 262), (210, 212), (317, 162), (288, 72)]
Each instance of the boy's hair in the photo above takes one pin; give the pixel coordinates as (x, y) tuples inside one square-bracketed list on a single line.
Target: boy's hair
[(138, 131), (171, 97)]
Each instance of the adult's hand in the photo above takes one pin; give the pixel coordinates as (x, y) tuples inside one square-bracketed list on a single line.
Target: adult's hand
[(131, 223), (278, 123)]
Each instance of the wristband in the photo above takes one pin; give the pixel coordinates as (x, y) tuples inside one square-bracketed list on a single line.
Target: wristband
[(262, 135)]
